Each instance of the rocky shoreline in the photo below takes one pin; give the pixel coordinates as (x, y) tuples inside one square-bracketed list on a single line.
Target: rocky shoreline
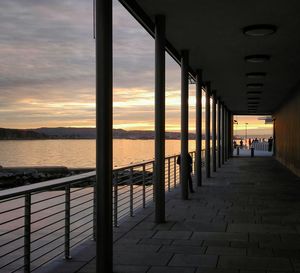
[(11, 177)]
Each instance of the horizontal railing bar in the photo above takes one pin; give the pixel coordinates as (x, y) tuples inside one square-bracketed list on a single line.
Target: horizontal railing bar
[(16, 239), (77, 197), (80, 204), (11, 262), (84, 238), (48, 216), (75, 213), (47, 243), (82, 225), (53, 231), (9, 210), (47, 226), (11, 251), (85, 216), (10, 231), (50, 259), (44, 254), (43, 209), (11, 220), (50, 198), (44, 185)]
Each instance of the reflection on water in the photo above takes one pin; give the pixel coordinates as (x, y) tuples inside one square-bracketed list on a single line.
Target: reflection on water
[(78, 153)]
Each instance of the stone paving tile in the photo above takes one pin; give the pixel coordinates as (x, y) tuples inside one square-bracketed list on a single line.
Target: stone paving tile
[(261, 228), (220, 236), (152, 241), (216, 243), (254, 263), (172, 235), (128, 269), (188, 242), (215, 270), (232, 251), (260, 252), (141, 258), (200, 226), (168, 269), (181, 249), (194, 260)]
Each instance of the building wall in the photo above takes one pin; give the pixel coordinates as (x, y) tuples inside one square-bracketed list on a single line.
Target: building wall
[(287, 134)]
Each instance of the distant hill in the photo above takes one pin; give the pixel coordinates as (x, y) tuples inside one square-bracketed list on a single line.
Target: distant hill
[(14, 134), (78, 133)]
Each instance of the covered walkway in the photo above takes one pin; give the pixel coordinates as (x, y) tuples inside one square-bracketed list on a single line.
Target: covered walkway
[(246, 218)]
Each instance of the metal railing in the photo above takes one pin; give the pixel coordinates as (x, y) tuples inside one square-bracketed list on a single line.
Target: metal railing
[(260, 146), (43, 221)]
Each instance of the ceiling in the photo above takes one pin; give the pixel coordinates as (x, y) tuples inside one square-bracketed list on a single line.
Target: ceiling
[(212, 30)]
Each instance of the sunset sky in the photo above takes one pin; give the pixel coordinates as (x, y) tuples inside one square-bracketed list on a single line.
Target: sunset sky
[(47, 69)]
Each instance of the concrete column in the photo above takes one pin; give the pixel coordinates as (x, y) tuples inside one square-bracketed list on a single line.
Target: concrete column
[(184, 167), (223, 133), (219, 135), (274, 138), (159, 182), (207, 129), (104, 237), (230, 143), (226, 134), (199, 127), (214, 131)]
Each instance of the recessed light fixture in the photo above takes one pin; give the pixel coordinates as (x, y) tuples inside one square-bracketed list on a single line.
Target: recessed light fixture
[(259, 30), (253, 98), (254, 92), (256, 75), (255, 85), (259, 58)]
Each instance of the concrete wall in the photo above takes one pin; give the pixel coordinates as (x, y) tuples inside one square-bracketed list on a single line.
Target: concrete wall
[(287, 134)]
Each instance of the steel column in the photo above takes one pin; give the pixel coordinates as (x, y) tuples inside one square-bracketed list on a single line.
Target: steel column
[(219, 135), (104, 238), (207, 130), (184, 170), (199, 127), (159, 182), (214, 131), (226, 133)]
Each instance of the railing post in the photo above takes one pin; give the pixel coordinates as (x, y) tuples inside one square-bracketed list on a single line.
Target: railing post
[(144, 186), (116, 199), (67, 221), (131, 191), (27, 233), (169, 174), (175, 170)]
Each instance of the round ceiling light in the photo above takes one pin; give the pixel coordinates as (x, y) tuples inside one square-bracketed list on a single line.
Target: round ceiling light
[(256, 75), (258, 58), (254, 92), (259, 30), (255, 85)]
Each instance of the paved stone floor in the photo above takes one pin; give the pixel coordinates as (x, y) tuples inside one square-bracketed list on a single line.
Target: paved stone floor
[(244, 219)]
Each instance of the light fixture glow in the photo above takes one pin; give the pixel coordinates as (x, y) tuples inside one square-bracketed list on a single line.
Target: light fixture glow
[(256, 75), (259, 58), (259, 30)]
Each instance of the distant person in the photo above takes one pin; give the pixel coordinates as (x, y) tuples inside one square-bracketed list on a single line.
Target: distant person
[(270, 144), (241, 144), (234, 144), (190, 161), (256, 140), (250, 142)]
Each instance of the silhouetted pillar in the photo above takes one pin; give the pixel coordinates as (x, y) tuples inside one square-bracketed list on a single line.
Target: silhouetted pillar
[(226, 134), (223, 133), (219, 135), (159, 182), (214, 131), (230, 138), (207, 130), (184, 167), (199, 127), (104, 238), (274, 138)]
